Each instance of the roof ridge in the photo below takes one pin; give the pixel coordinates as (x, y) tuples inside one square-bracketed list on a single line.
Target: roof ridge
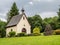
[(14, 20)]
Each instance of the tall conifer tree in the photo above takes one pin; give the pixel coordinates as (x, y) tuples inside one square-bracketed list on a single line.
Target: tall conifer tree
[(13, 11)]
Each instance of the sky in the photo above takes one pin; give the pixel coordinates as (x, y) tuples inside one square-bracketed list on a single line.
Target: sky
[(45, 8)]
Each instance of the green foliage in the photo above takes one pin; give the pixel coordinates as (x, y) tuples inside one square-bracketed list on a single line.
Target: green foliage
[(2, 29), (30, 34), (3, 33), (54, 33), (58, 24), (12, 33), (13, 11), (21, 34), (52, 21), (44, 23), (36, 31), (36, 34), (58, 15), (35, 21)]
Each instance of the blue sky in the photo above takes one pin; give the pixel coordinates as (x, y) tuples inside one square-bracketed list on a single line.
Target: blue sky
[(45, 8)]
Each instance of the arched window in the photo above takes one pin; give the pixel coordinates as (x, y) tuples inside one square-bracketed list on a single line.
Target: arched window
[(24, 30)]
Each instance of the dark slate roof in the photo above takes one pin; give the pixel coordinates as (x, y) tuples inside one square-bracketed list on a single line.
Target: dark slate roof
[(14, 21)]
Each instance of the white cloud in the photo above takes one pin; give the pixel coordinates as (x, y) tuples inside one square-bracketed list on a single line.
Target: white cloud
[(3, 16), (43, 0), (3, 19), (37, 0), (47, 0), (31, 3), (48, 14)]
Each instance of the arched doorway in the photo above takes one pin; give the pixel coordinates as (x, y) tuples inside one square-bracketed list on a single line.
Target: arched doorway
[(24, 30)]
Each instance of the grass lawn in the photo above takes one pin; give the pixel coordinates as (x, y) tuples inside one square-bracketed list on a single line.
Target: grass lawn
[(32, 40)]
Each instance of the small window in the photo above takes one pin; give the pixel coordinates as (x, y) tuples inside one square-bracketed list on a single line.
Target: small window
[(24, 24), (11, 29)]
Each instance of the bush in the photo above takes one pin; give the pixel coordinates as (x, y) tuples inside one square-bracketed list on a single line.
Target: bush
[(57, 32), (48, 30), (36, 31), (2, 33), (30, 34), (21, 34), (12, 33), (53, 32), (36, 34)]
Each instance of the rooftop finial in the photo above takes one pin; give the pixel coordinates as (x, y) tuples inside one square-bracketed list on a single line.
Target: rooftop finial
[(22, 10)]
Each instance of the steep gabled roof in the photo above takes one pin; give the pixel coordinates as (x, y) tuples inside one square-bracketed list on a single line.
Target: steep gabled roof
[(14, 21)]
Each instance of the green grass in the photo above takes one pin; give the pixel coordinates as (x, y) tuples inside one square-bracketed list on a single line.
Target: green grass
[(32, 40)]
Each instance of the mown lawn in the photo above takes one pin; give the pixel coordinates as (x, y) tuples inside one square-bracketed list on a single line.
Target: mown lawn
[(32, 40)]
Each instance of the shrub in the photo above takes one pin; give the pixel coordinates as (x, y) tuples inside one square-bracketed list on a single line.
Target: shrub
[(36, 34), (30, 34), (48, 30), (21, 34), (2, 33), (36, 31), (12, 33), (54, 33), (57, 32)]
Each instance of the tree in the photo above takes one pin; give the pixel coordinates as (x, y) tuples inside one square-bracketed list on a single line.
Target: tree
[(48, 30), (35, 21), (44, 23), (52, 21), (59, 14), (13, 11), (2, 29), (58, 24)]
